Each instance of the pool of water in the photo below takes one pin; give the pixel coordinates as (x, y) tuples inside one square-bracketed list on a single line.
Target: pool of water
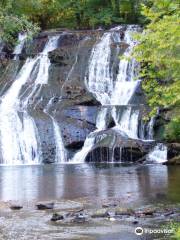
[(136, 185)]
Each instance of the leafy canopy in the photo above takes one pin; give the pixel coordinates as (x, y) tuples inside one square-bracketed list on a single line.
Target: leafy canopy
[(158, 51)]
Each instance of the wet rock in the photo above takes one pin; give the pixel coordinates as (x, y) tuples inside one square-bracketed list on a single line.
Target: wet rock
[(173, 161), (107, 205), (16, 207), (76, 145), (57, 217), (168, 213), (146, 212), (173, 151), (124, 212), (101, 214), (74, 212), (114, 145), (44, 206), (80, 218), (135, 222), (149, 212)]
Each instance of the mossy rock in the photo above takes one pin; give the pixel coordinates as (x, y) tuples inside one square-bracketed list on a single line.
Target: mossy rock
[(173, 161)]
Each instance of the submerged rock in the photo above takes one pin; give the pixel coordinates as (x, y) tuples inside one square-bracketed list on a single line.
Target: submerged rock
[(45, 206), (16, 207), (101, 214), (57, 217), (80, 218), (124, 212)]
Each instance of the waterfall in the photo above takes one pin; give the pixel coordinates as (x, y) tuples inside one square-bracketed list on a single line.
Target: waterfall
[(19, 137), (127, 121), (158, 154), (80, 156), (60, 150), (14, 142), (126, 82), (99, 79), (61, 155), (150, 128), (100, 82), (111, 77), (21, 40)]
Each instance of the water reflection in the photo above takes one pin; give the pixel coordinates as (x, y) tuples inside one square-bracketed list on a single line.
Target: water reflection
[(135, 184)]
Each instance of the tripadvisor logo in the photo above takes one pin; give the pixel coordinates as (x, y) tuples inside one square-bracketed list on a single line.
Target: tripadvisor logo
[(139, 231)]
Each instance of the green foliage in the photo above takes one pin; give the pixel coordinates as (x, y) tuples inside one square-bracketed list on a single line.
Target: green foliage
[(173, 129), (75, 13), (175, 226), (158, 52), (11, 24)]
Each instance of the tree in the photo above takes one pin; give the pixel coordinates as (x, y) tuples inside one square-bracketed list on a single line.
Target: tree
[(158, 52), (11, 23)]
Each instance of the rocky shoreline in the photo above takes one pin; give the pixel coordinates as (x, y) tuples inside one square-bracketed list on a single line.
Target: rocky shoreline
[(59, 219)]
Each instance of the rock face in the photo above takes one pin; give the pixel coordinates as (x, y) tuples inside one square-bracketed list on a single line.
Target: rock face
[(67, 105)]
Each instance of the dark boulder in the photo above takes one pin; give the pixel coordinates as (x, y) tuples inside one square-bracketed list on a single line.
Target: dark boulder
[(57, 217), (173, 161), (113, 145), (16, 207), (45, 206)]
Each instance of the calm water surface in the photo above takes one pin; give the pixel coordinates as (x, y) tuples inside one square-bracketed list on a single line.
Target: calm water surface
[(136, 184)]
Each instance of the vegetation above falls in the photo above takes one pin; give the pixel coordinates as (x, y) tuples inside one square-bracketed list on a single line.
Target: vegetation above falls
[(158, 47), (158, 52), (74, 14)]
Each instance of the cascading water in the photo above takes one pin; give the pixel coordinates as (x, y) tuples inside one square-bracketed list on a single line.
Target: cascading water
[(19, 137), (14, 141), (90, 139), (21, 41), (111, 80), (158, 154), (61, 155), (99, 80), (127, 121), (126, 82), (115, 90)]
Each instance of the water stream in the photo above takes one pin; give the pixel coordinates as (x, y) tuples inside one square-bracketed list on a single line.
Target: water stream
[(110, 76), (19, 136)]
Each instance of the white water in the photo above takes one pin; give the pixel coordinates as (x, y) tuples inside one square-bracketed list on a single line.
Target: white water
[(19, 137), (80, 156), (61, 155), (43, 63), (158, 154), (116, 92), (60, 150), (126, 82), (127, 121), (21, 41), (100, 82), (14, 142), (150, 128)]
